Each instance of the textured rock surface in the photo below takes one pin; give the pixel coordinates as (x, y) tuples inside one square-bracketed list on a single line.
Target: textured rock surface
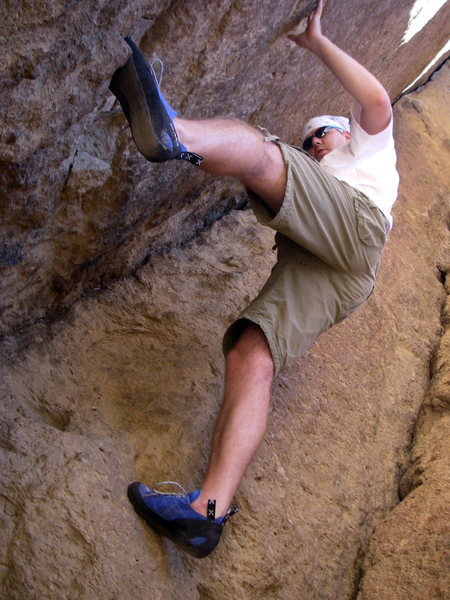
[(410, 552), (79, 206), (128, 384)]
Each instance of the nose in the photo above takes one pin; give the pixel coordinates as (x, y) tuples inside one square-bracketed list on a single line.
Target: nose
[(315, 141)]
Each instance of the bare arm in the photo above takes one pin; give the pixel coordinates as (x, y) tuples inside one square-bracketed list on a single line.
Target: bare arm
[(365, 89)]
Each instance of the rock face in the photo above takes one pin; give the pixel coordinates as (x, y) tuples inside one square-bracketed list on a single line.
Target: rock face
[(79, 206), (409, 554), (128, 384), (348, 496)]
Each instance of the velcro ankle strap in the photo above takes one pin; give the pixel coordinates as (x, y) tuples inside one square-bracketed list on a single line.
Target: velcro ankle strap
[(211, 510), (191, 157)]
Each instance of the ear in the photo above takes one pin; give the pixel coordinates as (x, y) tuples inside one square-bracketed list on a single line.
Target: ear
[(347, 136)]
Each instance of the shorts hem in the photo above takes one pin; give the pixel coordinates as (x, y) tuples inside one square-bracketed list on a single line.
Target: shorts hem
[(229, 340), (283, 216)]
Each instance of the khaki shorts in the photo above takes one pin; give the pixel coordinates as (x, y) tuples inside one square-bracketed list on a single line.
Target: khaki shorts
[(329, 239)]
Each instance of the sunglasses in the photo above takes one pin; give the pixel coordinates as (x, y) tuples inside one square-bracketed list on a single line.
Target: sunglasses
[(320, 133)]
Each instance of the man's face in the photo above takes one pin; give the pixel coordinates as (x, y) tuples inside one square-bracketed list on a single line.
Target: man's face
[(330, 141)]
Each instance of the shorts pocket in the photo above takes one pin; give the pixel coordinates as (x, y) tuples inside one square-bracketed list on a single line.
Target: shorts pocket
[(370, 224), (354, 291)]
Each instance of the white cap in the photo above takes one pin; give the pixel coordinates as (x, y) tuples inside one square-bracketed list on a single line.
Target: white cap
[(316, 122)]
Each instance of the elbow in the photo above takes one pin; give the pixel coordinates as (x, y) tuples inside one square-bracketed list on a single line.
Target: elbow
[(381, 110), (381, 101), (376, 112)]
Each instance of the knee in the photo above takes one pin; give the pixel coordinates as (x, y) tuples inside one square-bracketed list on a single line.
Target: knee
[(251, 355), (268, 179)]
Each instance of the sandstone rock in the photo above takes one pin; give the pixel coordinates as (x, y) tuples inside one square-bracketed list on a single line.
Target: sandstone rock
[(409, 554), (79, 206), (128, 384)]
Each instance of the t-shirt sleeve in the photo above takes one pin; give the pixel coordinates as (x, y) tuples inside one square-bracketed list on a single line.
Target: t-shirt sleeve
[(362, 142)]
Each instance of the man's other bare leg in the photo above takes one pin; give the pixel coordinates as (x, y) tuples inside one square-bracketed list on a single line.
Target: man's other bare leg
[(233, 148), (242, 420)]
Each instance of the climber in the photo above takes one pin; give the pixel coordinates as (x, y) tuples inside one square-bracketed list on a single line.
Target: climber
[(329, 202)]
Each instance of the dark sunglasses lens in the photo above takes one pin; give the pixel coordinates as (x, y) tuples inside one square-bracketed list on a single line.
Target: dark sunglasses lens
[(320, 133)]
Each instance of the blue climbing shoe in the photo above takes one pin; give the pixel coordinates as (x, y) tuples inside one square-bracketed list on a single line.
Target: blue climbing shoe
[(148, 113), (171, 515)]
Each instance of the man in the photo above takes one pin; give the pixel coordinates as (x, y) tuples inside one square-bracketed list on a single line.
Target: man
[(330, 204)]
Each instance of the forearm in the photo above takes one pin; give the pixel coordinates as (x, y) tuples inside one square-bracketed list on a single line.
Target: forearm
[(355, 78)]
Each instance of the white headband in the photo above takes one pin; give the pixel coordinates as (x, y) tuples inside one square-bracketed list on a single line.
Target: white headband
[(316, 122)]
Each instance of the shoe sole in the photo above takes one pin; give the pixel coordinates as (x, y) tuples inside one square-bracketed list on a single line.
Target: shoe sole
[(135, 86), (178, 531)]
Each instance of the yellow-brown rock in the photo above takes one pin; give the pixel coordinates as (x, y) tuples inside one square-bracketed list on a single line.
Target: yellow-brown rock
[(348, 496), (79, 206)]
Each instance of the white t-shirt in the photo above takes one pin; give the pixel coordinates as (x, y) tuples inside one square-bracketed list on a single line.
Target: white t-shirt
[(367, 162)]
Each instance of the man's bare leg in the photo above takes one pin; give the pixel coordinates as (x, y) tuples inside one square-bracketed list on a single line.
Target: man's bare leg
[(242, 420), (233, 148)]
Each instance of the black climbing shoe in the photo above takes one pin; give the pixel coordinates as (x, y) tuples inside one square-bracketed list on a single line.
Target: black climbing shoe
[(171, 515), (149, 115)]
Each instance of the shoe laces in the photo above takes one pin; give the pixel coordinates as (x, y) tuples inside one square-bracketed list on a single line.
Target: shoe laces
[(159, 79), (230, 512), (163, 483)]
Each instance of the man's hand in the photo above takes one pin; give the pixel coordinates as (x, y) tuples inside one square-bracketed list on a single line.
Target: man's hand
[(313, 30)]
